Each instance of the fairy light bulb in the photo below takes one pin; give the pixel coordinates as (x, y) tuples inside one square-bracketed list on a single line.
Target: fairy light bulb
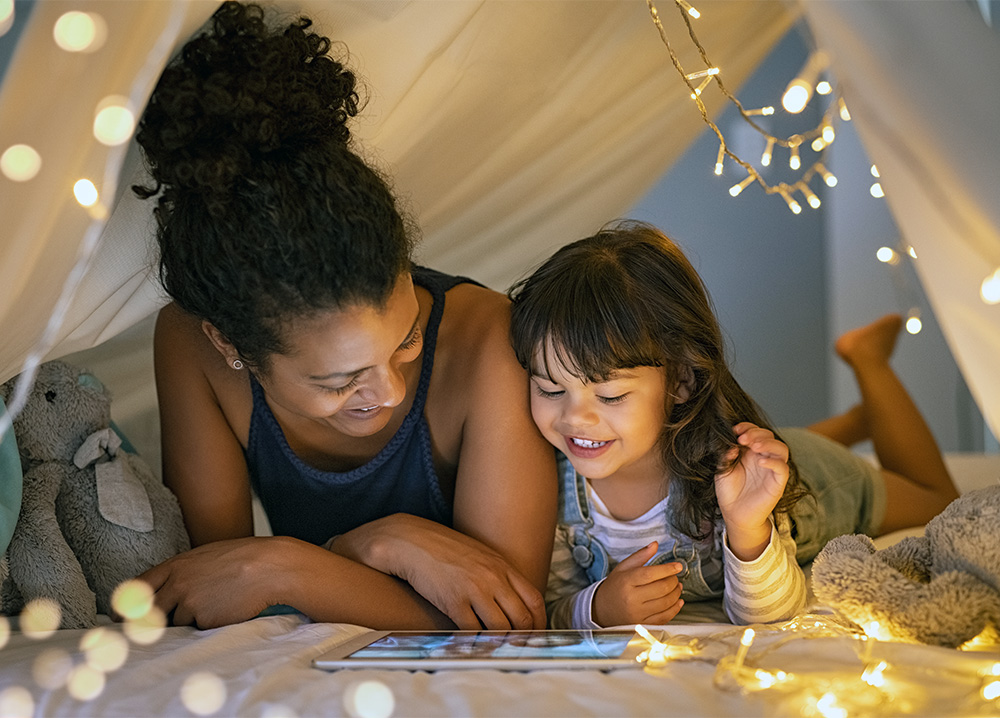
[(739, 187), (874, 171), (688, 9), (845, 115), (718, 159), (77, 31), (369, 699), (85, 192), (873, 674), (828, 134), (114, 122), (818, 144), (794, 161), (876, 190), (828, 708), (20, 163), (765, 159), (810, 196), (766, 111), (700, 88), (990, 288), (889, 256), (912, 252), (800, 90), (991, 690), (827, 175), (746, 640), (913, 323), (824, 88), (203, 693), (790, 201)]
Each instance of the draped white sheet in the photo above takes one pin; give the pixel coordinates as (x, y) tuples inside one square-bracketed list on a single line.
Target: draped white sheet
[(509, 128), (922, 81)]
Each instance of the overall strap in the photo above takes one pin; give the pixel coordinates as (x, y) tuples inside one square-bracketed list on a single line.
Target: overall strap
[(574, 513)]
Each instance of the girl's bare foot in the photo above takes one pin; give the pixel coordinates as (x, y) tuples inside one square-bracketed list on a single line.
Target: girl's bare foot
[(872, 343)]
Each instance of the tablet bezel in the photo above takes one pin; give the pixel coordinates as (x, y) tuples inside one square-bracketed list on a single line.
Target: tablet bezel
[(338, 657)]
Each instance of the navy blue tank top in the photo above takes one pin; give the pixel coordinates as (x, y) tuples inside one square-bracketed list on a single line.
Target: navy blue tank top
[(314, 505)]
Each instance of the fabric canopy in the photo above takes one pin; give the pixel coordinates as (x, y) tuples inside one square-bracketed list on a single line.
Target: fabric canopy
[(509, 128)]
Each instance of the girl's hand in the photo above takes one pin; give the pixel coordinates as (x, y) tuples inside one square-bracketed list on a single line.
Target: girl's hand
[(635, 593), (463, 578), (748, 492)]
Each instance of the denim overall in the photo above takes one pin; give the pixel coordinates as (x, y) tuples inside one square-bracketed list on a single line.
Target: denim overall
[(591, 555)]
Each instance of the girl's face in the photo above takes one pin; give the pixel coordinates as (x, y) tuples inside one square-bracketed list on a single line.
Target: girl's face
[(606, 429), (345, 368)]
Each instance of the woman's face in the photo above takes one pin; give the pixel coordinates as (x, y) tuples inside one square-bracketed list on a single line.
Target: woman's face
[(345, 368)]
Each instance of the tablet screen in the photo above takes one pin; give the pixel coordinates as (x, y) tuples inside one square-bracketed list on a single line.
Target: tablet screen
[(498, 644)]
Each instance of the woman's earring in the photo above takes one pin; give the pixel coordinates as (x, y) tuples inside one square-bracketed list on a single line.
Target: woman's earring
[(237, 364)]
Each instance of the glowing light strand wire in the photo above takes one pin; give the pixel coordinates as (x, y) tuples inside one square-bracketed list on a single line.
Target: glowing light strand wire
[(782, 188), (91, 241)]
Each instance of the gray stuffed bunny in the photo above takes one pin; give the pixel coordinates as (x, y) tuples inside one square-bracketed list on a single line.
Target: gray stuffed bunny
[(942, 588), (92, 515)]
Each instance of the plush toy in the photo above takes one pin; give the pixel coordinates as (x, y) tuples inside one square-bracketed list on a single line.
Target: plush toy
[(942, 588), (92, 515)]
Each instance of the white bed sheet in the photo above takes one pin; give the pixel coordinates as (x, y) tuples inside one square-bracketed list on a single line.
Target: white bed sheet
[(265, 668)]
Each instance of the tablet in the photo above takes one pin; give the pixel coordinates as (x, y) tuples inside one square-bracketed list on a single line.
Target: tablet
[(500, 650)]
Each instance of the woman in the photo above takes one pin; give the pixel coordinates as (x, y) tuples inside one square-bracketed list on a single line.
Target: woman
[(375, 407)]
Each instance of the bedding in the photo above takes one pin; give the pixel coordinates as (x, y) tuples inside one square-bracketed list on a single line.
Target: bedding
[(262, 668)]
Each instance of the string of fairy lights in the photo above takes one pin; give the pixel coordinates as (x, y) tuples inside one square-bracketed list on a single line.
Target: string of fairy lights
[(797, 95)]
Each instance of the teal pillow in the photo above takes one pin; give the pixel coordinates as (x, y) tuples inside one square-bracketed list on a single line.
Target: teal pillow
[(10, 484)]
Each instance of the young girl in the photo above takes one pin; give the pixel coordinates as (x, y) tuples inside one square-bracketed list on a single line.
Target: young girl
[(674, 486), (306, 360)]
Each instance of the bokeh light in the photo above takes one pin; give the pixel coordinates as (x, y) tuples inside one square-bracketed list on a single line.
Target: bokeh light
[(203, 693), (114, 122), (876, 191), (132, 599), (40, 618), (104, 649), (369, 699), (796, 96), (4, 631), (146, 629), (914, 325), (51, 668), (887, 255), (85, 192), (990, 288), (85, 683), (6, 15), (16, 702), (77, 31), (20, 163)]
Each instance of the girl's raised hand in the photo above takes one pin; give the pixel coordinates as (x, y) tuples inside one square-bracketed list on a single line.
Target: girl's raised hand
[(749, 491), (636, 593)]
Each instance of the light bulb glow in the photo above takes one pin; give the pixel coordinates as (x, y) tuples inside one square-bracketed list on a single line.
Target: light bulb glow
[(203, 693), (766, 111), (85, 683), (913, 324), (818, 144), (794, 161), (709, 72), (40, 618), (828, 708), (369, 699), (876, 191), (912, 252), (104, 650), (16, 702), (132, 599), (873, 674), (77, 31), (810, 196), (874, 171), (844, 114), (114, 122), (20, 163), (991, 691), (824, 88), (889, 256), (828, 134), (688, 9), (51, 669), (790, 201), (989, 290), (796, 97), (85, 192), (718, 159), (765, 159), (700, 88), (737, 188), (827, 176), (6, 16)]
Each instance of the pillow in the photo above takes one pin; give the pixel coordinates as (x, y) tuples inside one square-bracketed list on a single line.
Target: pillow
[(10, 484)]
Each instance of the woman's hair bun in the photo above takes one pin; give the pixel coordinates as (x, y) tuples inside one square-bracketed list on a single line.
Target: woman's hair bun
[(240, 92)]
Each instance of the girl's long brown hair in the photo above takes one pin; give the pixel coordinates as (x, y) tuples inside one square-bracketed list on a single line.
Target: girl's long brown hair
[(628, 297)]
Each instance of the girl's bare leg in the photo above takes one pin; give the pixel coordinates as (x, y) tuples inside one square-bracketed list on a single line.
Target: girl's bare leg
[(918, 485)]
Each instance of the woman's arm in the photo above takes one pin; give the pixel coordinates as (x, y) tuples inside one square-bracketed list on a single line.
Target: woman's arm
[(231, 576)]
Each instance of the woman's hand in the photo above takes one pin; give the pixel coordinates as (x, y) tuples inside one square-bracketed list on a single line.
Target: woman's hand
[(636, 593), (218, 583), (749, 491), (463, 578)]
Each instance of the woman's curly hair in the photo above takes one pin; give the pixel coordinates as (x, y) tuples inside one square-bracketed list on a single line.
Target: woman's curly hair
[(264, 211), (628, 297)]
